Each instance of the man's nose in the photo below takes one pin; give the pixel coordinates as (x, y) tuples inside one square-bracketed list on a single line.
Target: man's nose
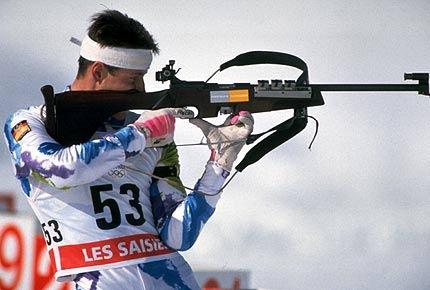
[(139, 85)]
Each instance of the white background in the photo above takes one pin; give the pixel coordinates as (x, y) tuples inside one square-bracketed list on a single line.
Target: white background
[(352, 213)]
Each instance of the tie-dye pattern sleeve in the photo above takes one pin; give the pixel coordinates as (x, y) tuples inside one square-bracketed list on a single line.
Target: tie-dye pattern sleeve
[(180, 220), (34, 153)]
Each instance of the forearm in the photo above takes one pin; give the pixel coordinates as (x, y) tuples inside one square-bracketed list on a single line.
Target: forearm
[(181, 229), (89, 161)]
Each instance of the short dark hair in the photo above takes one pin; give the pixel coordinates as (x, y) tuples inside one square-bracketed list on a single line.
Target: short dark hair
[(115, 29)]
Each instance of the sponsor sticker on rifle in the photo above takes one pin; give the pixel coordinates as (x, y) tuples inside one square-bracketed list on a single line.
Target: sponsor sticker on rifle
[(20, 130), (230, 96)]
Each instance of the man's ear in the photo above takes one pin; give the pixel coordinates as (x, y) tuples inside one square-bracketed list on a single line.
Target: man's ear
[(98, 71)]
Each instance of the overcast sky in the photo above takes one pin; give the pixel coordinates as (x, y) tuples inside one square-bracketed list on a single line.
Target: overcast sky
[(352, 213)]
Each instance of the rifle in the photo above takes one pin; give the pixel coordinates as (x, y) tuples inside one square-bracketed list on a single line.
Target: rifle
[(72, 117)]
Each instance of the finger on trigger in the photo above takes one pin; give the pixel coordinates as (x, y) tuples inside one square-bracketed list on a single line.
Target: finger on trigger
[(183, 113)]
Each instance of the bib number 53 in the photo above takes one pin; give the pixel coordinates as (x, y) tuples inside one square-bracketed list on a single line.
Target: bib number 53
[(110, 205)]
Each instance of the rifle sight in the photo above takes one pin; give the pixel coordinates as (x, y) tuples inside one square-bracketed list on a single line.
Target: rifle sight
[(167, 73)]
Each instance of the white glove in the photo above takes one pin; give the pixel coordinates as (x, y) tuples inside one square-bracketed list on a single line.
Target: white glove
[(227, 140), (159, 125)]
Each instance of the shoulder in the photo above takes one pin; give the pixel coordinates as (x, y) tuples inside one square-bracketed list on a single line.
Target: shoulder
[(22, 122), (31, 115), (33, 112)]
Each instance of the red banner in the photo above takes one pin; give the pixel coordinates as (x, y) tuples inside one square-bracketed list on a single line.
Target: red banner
[(24, 261)]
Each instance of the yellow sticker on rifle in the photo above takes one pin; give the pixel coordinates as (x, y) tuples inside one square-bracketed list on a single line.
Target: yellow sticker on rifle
[(238, 96)]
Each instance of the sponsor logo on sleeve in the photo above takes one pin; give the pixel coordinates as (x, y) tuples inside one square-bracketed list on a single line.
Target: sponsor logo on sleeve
[(20, 130)]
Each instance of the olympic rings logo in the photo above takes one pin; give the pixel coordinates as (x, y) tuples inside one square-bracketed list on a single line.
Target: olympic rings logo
[(117, 172)]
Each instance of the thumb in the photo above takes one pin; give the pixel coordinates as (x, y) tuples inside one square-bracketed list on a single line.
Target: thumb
[(248, 122), (205, 126), (244, 118)]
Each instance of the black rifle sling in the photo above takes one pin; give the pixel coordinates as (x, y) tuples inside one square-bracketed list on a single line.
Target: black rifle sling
[(285, 130), (292, 127), (282, 126), (270, 57)]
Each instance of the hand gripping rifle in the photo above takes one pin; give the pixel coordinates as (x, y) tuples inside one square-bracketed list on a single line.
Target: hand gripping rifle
[(72, 117)]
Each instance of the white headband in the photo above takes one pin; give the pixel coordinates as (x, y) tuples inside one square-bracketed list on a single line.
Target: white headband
[(130, 58)]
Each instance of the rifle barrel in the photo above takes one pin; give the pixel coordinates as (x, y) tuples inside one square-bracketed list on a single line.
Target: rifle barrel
[(369, 87)]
